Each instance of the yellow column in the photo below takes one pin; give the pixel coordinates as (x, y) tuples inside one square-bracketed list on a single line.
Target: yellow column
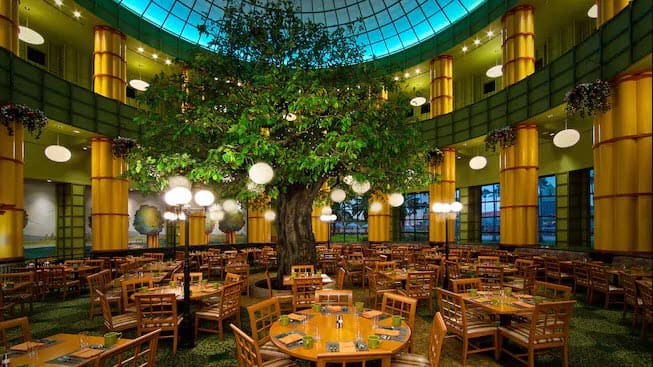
[(609, 8), (320, 228), (9, 25), (518, 46), (441, 85), (442, 192), (378, 222), (258, 229), (622, 168), (11, 192), (196, 229), (108, 197), (518, 180), (110, 63), (11, 155)]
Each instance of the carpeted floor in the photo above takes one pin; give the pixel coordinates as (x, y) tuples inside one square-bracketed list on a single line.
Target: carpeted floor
[(598, 337)]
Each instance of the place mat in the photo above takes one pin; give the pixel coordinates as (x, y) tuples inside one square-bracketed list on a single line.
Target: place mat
[(524, 296), (291, 339), (296, 317), (344, 347), (23, 347), (522, 304), (371, 314), (66, 361), (334, 309), (385, 330), (86, 353)]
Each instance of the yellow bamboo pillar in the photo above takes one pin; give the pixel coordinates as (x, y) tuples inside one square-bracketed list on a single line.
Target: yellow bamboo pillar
[(378, 222), (153, 241), (608, 9), (196, 234), (110, 63), (518, 48), (11, 155), (9, 25), (320, 228), (108, 197), (442, 192), (259, 230), (622, 168), (441, 86), (518, 165)]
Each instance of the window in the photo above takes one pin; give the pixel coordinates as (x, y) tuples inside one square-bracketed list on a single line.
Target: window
[(490, 212), (414, 217), (591, 207), (546, 192), (351, 225)]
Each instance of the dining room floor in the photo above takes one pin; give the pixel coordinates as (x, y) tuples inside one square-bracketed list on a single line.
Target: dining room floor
[(598, 337)]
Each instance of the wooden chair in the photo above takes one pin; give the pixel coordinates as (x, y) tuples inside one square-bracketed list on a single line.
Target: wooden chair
[(465, 284), (24, 294), (452, 269), (229, 306), (420, 285), (632, 299), (157, 256), (158, 312), (283, 296), (231, 278), (378, 285), (14, 331), (195, 277), (102, 281), (406, 307), (249, 355), (384, 266), (466, 326), (354, 265), (600, 283), (302, 269), (261, 317), (5, 306), (215, 266), (432, 359), (341, 359), (340, 278), (139, 352), (526, 282), (551, 291), (581, 275), (335, 297), (553, 272), (243, 271), (491, 277), (488, 259), (125, 321), (56, 278), (548, 328), (647, 308), (303, 292), (131, 286)]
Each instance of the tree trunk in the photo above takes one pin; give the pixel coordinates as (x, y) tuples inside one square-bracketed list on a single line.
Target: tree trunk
[(296, 243), (153, 240), (230, 238)]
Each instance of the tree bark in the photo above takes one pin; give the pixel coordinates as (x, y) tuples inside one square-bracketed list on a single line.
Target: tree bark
[(296, 243)]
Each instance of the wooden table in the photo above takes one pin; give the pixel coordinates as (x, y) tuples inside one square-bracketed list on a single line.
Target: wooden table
[(65, 344), (197, 292), (516, 304), (322, 328), (289, 282)]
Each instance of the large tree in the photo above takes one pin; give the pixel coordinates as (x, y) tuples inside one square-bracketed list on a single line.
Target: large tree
[(233, 107)]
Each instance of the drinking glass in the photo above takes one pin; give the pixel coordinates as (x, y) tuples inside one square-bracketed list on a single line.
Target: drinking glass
[(83, 339)]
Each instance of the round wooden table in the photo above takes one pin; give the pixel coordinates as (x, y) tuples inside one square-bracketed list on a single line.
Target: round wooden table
[(322, 327)]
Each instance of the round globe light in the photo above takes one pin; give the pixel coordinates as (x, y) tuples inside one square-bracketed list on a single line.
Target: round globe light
[(456, 207), (324, 218), (204, 198), (230, 205), (269, 215), (333, 217), (376, 207), (177, 181), (495, 71), (178, 196), (566, 138), (261, 173), (361, 187), (57, 153), (338, 195), (478, 162), (182, 216), (169, 216), (438, 208), (417, 101), (395, 199), (217, 215), (216, 207), (291, 117), (326, 210)]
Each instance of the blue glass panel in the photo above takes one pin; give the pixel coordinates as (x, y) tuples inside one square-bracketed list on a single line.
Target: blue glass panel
[(174, 24), (379, 49), (136, 6), (401, 24), (438, 21), (375, 35), (454, 10), (408, 37), (393, 44), (423, 30), (155, 14), (181, 10)]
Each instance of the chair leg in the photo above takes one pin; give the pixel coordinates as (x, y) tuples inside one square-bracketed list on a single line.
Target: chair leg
[(499, 346), (531, 357), (196, 325), (465, 346), (565, 355), (174, 341)]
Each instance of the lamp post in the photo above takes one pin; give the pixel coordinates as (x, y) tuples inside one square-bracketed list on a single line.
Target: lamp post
[(179, 196), (447, 211)]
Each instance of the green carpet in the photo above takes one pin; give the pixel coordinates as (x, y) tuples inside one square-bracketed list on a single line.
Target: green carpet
[(598, 337)]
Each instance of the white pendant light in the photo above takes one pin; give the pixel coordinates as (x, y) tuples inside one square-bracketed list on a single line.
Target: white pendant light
[(395, 199), (139, 84), (566, 138), (361, 187), (326, 210), (269, 215), (376, 207), (230, 205), (417, 101), (478, 162), (291, 117), (338, 195), (57, 153), (593, 11), (495, 71), (261, 173), (28, 35)]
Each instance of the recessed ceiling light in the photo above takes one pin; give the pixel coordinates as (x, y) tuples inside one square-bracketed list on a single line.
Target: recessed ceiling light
[(28, 35), (48, 180), (593, 11), (140, 49), (459, 157), (417, 71), (477, 42), (168, 61), (490, 33), (155, 56), (76, 131), (552, 134), (406, 75), (549, 115), (465, 48), (85, 148), (396, 78), (77, 14), (58, 2)]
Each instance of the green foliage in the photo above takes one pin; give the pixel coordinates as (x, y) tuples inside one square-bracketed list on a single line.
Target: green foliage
[(148, 220)]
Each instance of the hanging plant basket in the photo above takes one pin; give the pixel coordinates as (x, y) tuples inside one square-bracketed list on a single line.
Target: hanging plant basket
[(504, 136), (32, 120), (121, 147), (436, 157), (588, 99)]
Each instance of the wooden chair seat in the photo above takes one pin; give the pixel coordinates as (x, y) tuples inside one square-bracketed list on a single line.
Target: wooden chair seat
[(436, 340), (271, 351), (248, 352), (125, 321), (229, 306), (410, 360)]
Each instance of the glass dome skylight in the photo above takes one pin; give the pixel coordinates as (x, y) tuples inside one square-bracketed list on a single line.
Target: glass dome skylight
[(388, 26)]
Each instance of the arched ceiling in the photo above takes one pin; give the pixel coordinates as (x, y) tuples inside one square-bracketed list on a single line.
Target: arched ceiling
[(388, 26)]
